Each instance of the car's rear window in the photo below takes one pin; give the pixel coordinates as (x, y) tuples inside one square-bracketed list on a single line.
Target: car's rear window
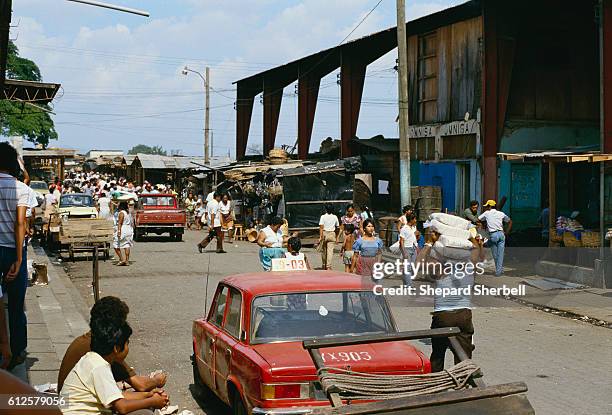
[(157, 201), (39, 185), (303, 316)]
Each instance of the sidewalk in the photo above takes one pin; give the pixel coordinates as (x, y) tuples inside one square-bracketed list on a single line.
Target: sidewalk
[(588, 304), (54, 319)]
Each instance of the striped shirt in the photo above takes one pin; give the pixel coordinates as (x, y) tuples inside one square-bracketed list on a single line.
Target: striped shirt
[(13, 193)]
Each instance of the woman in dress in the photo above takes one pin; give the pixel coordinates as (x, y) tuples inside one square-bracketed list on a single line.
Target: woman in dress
[(190, 202), (367, 250), (227, 216), (353, 218), (104, 211), (271, 241), (124, 236)]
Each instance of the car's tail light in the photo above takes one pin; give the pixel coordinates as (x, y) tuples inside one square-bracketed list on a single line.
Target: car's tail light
[(285, 391)]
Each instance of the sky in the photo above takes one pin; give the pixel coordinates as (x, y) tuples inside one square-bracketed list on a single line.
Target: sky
[(121, 73)]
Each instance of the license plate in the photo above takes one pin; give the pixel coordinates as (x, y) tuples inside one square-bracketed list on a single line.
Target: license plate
[(339, 357)]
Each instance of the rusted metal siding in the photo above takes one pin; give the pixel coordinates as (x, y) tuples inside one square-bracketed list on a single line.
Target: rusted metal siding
[(458, 72)]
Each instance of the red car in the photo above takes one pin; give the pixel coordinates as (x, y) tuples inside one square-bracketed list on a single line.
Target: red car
[(248, 350)]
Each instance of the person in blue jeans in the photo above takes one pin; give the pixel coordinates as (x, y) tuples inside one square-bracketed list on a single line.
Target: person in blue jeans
[(495, 221), (14, 201)]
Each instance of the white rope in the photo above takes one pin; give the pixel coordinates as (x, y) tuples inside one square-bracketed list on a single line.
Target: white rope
[(359, 385)]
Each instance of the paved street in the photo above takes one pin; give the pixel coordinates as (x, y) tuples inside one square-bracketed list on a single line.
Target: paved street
[(565, 363)]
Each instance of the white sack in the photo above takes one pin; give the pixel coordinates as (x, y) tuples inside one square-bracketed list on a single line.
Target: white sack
[(443, 229), (443, 253), (451, 220), (453, 242)]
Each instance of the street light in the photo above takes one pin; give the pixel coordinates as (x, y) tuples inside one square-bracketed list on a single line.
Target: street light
[(112, 6), (205, 79)]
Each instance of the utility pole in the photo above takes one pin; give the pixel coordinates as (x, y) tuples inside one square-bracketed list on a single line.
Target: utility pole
[(206, 119), (402, 52)]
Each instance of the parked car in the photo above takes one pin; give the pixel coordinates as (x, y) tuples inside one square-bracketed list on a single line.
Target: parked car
[(77, 205), (248, 348), (158, 214), (40, 187)]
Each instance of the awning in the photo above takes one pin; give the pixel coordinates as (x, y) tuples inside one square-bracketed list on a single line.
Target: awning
[(558, 156), (29, 91)]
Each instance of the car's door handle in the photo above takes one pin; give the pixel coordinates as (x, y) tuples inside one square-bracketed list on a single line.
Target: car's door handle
[(228, 351)]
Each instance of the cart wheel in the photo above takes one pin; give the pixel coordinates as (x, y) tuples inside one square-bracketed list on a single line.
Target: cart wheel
[(178, 237)]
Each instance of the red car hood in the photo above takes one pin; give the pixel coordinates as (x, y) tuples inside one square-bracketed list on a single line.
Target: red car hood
[(291, 360)]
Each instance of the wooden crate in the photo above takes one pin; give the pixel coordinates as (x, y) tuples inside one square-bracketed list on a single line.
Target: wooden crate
[(86, 231)]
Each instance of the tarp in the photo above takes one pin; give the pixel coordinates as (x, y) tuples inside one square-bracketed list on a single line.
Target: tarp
[(305, 196)]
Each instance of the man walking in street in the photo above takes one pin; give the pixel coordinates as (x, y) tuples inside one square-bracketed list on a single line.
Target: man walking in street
[(214, 225), (14, 201), (453, 309), (497, 234)]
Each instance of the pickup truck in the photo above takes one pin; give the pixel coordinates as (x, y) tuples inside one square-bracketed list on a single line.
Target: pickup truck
[(159, 213)]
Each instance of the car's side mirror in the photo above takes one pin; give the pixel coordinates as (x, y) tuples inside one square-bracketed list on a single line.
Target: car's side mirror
[(242, 335)]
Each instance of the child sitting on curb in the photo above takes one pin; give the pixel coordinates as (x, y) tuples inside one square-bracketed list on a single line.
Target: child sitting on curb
[(90, 386)]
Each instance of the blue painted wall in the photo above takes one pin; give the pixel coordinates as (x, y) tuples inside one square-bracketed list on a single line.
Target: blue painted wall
[(443, 175)]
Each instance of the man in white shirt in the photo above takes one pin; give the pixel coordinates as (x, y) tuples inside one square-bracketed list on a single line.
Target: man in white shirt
[(408, 240), (495, 220), (329, 227), (214, 225), (14, 201)]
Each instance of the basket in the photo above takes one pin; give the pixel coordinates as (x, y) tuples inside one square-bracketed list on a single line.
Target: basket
[(278, 156), (569, 240), (554, 236), (252, 234), (590, 239)]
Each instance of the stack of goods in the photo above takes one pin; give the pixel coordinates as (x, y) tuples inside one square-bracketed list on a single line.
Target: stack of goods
[(565, 224), (426, 200), (454, 241), (278, 156)]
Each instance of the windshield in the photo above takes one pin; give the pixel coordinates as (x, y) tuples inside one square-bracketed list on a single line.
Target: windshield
[(76, 201), (303, 316), (39, 185), (157, 201)]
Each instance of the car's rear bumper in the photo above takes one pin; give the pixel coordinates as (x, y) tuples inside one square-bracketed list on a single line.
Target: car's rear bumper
[(281, 411)]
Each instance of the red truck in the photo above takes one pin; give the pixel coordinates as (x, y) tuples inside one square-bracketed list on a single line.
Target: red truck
[(159, 213)]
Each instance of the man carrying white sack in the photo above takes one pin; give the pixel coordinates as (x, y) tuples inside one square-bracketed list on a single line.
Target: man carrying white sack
[(455, 309), (497, 234)]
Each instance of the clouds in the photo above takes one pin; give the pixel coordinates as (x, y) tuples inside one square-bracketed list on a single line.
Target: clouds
[(112, 63)]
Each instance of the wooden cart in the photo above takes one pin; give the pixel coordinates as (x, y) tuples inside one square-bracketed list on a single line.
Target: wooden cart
[(85, 235), (476, 398)]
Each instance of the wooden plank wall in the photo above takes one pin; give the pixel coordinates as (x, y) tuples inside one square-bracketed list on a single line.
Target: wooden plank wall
[(556, 69), (459, 71)]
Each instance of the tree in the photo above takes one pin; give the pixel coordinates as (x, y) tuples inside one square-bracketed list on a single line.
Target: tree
[(18, 118), (145, 149)]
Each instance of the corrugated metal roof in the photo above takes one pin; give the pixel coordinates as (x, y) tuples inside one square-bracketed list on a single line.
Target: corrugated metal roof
[(49, 152)]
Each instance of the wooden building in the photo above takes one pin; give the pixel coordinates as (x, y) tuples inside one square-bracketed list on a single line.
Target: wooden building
[(46, 164)]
